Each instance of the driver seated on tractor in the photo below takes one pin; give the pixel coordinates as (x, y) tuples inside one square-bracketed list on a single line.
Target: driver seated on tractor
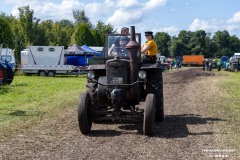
[(149, 48), (116, 43)]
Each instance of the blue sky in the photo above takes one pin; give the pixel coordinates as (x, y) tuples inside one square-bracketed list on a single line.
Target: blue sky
[(169, 16)]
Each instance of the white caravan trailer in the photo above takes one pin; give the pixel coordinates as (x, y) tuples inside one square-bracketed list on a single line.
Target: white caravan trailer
[(45, 61)]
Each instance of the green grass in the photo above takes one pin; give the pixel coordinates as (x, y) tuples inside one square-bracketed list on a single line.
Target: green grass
[(31, 98), (229, 85), (230, 91)]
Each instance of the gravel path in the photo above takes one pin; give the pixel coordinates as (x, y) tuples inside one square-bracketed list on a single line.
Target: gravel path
[(191, 130)]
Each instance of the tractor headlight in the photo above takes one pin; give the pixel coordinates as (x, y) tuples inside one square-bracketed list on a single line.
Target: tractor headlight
[(142, 74), (90, 75)]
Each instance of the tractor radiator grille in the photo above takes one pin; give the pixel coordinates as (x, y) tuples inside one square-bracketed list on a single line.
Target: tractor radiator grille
[(117, 72)]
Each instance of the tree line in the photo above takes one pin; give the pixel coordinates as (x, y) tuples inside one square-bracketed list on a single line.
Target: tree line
[(28, 30), (198, 43)]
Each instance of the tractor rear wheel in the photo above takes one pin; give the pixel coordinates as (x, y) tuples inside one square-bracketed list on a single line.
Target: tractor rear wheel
[(155, 77), (85, 113), (149, 115)]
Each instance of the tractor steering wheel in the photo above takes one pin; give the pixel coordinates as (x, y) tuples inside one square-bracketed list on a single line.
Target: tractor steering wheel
[(120, 51)]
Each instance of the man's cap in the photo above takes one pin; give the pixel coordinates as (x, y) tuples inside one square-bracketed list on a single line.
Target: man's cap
[(123, 29), (148, 33)]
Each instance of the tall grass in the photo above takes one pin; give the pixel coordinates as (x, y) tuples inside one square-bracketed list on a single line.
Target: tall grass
[(30, 98)]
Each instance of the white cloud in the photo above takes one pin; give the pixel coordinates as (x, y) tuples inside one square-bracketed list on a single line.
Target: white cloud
[(204, 25), (128, 3), (235, 18), (170, 29), (99, 11), (118, 13), (151, 4), (213, 26), (233, 28), (121, 17), (48, 10), (132, 12)]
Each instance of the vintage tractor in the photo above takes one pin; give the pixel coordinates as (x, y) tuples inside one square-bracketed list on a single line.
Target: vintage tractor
[(124, 88), (224, 61), (6, 69)]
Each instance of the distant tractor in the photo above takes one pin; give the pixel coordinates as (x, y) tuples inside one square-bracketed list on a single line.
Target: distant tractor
[(124, 88), (223, 64), (6, 68)]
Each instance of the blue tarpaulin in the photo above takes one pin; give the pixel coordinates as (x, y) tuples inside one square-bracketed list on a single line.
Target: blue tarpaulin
[(78, 60), (80, 56), (87, 49)]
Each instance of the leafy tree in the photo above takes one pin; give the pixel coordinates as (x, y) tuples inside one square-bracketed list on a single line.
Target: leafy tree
[(83, 35), (210, 48), (222, 41), (26, 22), (234, 44), (185, 37), (102, 30), (97, 37), (47, 26), (59, 35), (68, 29), (6, 34), (163, 41), (80, 17), (66, 23), (197, 42), (18, 39), (177, 47)]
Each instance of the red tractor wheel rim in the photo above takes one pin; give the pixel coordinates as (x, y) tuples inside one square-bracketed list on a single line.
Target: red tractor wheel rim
[(1, 74)]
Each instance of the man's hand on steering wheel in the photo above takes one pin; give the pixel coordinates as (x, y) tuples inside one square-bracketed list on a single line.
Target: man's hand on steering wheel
[(119, 51)]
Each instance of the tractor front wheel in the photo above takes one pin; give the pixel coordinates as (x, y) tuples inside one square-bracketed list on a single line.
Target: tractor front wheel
[(85, 113), (149, 115)]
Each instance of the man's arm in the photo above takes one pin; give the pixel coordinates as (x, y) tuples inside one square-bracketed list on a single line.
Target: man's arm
[(109, 51)]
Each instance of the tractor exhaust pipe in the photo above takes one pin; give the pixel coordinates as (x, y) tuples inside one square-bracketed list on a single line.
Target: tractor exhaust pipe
[(133, 48)]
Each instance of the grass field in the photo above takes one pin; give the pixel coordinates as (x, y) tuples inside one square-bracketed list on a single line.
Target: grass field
[(229, 85), (30, 98)]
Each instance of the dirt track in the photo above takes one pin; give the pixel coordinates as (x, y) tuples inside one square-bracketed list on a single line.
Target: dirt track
[(191, 130)]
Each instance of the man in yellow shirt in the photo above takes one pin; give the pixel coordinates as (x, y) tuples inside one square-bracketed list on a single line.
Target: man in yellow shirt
[(149, 48)]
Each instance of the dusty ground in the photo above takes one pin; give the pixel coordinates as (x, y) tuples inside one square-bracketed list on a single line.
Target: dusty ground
[(192, 130)]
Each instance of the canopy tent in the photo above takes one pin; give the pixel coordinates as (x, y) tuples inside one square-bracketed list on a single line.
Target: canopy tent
[(90, 50), (77, 56), (75, 49)]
